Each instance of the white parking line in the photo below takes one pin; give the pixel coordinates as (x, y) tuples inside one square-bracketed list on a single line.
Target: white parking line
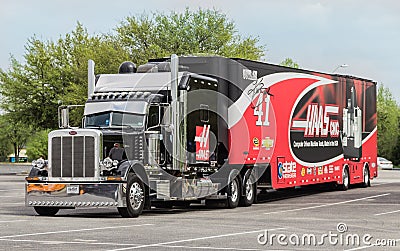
[(359, 248), (327, 205), (384, 183), (49, 242), (211, 248), (391, 212), (74, 230), (196, 239), (70, 242), (8, 221)]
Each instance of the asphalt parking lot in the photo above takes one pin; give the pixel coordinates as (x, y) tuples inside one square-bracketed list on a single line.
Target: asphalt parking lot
[(314, 218)]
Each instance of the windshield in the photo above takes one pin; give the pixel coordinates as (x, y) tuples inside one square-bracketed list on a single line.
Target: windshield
[(110, 119)]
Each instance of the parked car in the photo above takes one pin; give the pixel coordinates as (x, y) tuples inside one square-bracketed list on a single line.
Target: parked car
[(384, 163)]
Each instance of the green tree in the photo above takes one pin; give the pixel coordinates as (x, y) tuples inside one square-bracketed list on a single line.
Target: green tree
[(55, 73), (388, 123), (16, 133), (37, 145), (202, 32), (288, 62), (5, 147)]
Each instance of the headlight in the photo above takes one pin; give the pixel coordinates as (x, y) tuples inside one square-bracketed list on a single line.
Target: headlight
[(107, 163), (39, 163)]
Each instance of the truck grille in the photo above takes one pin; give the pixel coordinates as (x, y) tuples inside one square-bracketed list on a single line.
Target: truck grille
[(73, 156)]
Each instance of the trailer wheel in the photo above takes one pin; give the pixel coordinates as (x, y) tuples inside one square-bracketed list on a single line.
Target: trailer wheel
[(233, 190), (366, 181), (345, 180), (134, 198), (249, 193), (46, 211)]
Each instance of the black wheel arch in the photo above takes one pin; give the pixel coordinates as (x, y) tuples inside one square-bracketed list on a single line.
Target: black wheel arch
[(137, 168)]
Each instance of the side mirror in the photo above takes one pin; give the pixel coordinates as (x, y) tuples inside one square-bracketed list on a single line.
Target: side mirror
[(166, 118), (63, 117)]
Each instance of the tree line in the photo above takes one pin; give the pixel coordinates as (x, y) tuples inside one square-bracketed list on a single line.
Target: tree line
[(55, 72)]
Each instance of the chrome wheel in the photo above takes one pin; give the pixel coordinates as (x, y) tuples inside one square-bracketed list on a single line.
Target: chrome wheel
[(249, 193), (249, 190), (345, 179), (136, 195), (234, 191), (366, 182)]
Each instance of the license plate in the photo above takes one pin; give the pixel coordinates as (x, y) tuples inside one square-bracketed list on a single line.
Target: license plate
[(73, 189)]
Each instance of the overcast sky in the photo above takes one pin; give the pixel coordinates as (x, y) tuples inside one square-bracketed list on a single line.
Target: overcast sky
[(318, 35)]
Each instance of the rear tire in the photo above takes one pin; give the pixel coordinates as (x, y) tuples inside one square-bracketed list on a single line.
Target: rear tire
[(233, 190), (46, 211), (345, 180), (249, 193), (366, 177), (135, 198)]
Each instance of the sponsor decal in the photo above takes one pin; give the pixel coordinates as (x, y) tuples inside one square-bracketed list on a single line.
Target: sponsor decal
[(287, 170), (318, 122), (337, 168), (320, 170), (309, 170), (267, 143), (325, 170), (249, 74), (303, 171), (202, 142), (331, 169), (280, 170), (256, 142)]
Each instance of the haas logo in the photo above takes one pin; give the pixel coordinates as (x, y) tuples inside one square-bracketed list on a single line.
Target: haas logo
[(318, 122), (202, 143)]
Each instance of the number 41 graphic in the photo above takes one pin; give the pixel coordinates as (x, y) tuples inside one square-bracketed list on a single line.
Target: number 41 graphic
[(263, 102)]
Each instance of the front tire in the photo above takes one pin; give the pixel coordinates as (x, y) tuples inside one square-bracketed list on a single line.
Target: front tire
[(135, 198), (46, 211), (233, 190)]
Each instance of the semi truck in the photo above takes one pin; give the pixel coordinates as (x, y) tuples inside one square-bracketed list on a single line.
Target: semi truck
[(206, 128)]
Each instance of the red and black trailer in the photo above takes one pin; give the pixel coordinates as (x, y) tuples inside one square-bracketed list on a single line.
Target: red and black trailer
[(208, 128)]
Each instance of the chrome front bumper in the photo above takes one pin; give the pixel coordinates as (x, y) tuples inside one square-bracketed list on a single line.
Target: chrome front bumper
[(71, 195)]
